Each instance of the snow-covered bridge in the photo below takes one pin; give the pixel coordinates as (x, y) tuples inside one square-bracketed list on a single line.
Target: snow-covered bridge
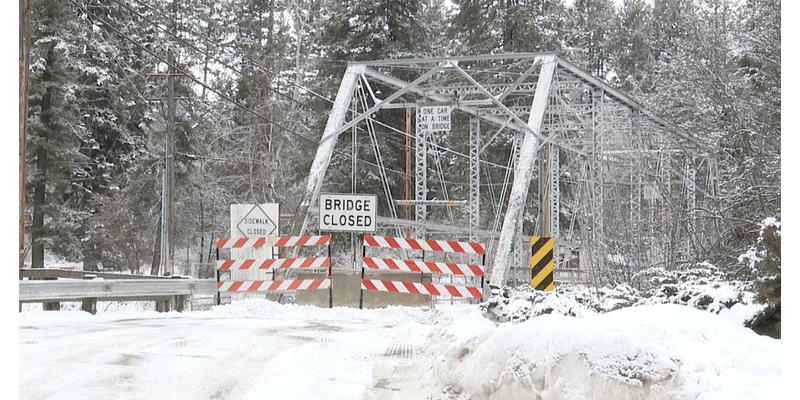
[(615, 185)]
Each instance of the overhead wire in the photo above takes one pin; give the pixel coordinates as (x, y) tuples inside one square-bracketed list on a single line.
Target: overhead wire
[(244, 108), (189, 76), (278, 76), (202, 37)]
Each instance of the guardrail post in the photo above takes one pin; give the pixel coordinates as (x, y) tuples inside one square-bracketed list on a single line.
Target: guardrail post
[(178, 301), (162, 305), (89, 304), (51, 305)]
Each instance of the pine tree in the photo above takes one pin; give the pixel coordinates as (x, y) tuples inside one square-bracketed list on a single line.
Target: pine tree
[(765, 260), (632, 48), (592, 25), (55, 133), (111, 108), (488, 26), (359, 30)]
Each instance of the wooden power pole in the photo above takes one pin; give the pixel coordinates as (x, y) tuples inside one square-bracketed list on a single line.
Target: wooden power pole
[(24, 54), (168, 230)]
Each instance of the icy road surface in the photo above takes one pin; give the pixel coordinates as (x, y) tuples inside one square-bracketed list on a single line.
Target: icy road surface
[(257, 349), (251, 351)]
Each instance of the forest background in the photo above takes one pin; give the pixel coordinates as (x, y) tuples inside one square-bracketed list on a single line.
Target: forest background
[(260, 76)]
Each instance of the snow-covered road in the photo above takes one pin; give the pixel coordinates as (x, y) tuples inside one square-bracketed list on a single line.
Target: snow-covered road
[(257, 349), (254, 350)]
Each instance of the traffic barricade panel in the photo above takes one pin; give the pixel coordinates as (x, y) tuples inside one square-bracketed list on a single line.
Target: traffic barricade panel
[(423, 267)]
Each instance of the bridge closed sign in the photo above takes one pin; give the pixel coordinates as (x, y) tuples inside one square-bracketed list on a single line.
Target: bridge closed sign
[(348, 212)]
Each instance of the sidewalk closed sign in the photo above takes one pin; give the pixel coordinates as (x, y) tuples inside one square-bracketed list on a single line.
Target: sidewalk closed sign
[(348, 212)]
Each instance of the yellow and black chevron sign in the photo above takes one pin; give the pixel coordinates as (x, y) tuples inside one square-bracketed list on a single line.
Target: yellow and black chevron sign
[(542, 263)]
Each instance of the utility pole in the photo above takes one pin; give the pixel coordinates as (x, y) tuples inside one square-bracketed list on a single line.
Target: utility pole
[(167, 204), (24, 54), (167, 245), (167, 265)]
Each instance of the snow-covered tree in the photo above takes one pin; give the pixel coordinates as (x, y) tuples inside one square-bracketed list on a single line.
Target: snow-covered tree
[(490, 26), (765, 260), (55, 132), (632, 47), (592, 25)]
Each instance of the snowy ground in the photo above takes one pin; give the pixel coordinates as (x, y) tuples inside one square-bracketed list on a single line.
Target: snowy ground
[(256, 349)]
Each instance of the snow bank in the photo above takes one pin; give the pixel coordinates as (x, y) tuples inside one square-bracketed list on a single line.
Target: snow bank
[(260, 308), (654, 352)]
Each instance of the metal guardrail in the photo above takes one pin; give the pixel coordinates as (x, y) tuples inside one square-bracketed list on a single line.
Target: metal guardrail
[(53, 273), (112, 290), (168, 292)]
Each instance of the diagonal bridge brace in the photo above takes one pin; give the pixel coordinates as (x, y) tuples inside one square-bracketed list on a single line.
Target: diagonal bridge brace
[(522, 174)]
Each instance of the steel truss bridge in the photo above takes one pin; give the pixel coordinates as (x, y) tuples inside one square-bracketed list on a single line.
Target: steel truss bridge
[(536, 147)]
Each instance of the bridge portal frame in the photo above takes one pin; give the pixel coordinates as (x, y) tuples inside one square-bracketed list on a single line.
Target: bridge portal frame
[(585, 130)]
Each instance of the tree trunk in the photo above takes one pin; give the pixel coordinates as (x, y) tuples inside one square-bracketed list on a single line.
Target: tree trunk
[(156, 250), (37, 247)]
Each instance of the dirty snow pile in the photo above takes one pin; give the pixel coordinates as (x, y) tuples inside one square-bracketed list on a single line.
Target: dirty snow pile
[(579, 343)]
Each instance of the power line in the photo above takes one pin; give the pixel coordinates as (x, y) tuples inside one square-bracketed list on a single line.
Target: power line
[(261, 84), (107, 25), (244, 58), (237, 71)]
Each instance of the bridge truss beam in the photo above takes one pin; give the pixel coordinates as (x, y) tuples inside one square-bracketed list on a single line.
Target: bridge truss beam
[(617, 184)]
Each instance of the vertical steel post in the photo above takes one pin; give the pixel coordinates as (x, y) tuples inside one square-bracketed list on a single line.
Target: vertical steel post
[(421, 182), (408, 167), (325, 150), (523, 172), (474, 177)]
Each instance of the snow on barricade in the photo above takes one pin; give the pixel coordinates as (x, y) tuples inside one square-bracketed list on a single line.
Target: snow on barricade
[(654, 352)]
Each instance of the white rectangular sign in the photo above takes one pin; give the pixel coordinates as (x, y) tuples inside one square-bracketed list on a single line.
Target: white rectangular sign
[(348, 212), (434, 118)]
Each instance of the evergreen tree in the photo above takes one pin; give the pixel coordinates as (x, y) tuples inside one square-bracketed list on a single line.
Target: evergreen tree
[(359, 30), (592, 27), (765, 261), (632, 47), (489, 26), (55, 133), (470, 30), (112, 111)]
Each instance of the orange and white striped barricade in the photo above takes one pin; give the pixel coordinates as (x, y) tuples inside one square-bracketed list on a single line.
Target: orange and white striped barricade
[(391, 264), (273, 264)]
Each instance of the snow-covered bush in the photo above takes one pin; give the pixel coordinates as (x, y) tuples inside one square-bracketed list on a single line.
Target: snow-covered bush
[(520, 304), (702, 286), (765, 261)]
